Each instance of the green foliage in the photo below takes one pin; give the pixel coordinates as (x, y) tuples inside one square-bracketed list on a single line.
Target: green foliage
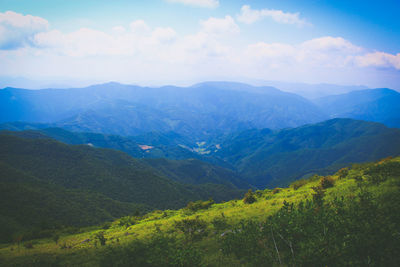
[(56, 237), (65, 185), (99, 236), (298, 183), (106, 225), (276, 158), (249, 197), (28, 245), (349, 224), (318, 195), (220, 223), (326, 182), (159, 250), (128, 221), (380, 172), (193, 228), (199, 205), (342, 173), (338, 233), (276, 190)]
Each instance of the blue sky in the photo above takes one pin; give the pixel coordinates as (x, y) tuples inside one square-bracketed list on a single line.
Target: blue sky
[(187, 41)]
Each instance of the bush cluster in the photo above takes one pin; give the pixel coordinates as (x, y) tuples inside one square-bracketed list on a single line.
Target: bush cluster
[(199, 205), (249, 197)]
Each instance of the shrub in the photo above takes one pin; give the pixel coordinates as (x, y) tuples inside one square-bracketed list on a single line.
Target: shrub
[(276, 190), (299, 183), (55, 238), (199, 205), (193, 229), (159, 250), (381, 172), (127, 221), (100, 237), (249, 197), (318, 196), (106, 225), (342, 173), (259, 193), (220, 223), (28, 245), (326, 182)]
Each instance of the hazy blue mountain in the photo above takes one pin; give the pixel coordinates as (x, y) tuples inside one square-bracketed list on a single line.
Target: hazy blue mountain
[(313, 91), (379, 105), (274, 158), (199, 111)]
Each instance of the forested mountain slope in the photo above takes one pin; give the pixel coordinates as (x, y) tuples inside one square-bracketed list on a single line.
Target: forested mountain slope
[(275, 158)]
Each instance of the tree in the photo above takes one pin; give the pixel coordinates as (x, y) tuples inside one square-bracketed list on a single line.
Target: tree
[(249, 197)]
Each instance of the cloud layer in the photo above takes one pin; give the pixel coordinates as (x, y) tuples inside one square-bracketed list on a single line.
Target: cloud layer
[(198, 3), (249, 16), (138, 52), (17, 30)]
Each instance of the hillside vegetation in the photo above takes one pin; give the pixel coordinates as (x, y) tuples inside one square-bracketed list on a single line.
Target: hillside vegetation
[(154, 144), (46, 184), (258, 158), (275, 158), (350, 218)]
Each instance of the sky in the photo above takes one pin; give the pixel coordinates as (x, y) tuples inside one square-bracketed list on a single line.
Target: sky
[(157, 42)]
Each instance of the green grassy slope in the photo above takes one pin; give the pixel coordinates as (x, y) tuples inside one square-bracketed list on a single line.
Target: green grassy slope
[(350, 218)]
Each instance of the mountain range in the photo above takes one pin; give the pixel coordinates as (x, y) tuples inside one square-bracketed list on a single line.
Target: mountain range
[(112, 150), (379, 105), (199, 111)]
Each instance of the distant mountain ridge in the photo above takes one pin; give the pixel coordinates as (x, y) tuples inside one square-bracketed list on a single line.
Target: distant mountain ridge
[(199, 111), (379, 105)]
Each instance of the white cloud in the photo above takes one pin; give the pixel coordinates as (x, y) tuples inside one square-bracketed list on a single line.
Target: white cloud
[(88, 42), (330, 44), (198, 3), (324, 52), (137, 52), (139, 27), (379, 59), (17, 30), (249, 16), (164, 34), (83, 42), (220, 26)]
